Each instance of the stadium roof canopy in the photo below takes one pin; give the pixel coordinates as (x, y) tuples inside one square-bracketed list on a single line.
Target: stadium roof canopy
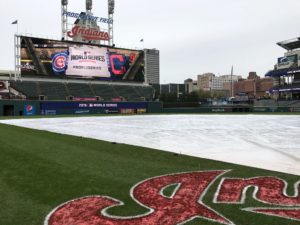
[(282, 72), (6, 72), (290, 44), (285, 88)]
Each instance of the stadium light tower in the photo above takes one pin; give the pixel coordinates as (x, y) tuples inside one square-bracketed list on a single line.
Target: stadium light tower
[(111, 10), (64, 19), (89, 6)]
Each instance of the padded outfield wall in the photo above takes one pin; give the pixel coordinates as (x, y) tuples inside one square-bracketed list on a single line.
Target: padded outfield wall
[(19, 108), (61, 108), (30, 108), (231, 109)]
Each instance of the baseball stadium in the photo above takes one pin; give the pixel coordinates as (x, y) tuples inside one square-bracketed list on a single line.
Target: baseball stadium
[(87, 139)]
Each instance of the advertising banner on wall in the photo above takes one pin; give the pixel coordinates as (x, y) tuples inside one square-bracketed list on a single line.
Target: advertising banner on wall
[(287, 61), (52, 58), (29, 110), (57, 108)]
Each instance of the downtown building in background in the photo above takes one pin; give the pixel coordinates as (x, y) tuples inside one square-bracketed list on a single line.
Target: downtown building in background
[(152, 67)]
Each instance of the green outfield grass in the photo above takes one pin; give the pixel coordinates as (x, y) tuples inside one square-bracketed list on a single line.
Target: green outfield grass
[(40, 170)]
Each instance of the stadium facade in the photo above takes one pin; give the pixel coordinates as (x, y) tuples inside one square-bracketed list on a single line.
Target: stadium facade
[(286, 72)]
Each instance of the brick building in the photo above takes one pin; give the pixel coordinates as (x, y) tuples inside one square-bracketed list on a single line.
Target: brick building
[(253, 86)]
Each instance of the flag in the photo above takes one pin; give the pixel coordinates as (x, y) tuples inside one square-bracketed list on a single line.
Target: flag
[(15, 22), (142, 40)]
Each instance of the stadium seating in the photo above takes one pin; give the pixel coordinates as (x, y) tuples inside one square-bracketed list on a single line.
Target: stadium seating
[(145, 92), (127, 92), (277, 103), (27, 88), (80, 90), (53, 91), (33, 90), (291, 103), (105, 92)]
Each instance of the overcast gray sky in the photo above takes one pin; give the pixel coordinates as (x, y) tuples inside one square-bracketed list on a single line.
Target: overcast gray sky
[(193, 36)]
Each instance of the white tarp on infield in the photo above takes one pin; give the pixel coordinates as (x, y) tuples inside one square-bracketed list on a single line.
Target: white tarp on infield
[(264, 141)]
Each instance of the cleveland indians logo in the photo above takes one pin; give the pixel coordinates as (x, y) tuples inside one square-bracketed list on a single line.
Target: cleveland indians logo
[(185, 203)]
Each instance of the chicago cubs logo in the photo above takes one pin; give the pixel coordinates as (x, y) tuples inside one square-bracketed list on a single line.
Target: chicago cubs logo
[(59, 62), (184, 204)]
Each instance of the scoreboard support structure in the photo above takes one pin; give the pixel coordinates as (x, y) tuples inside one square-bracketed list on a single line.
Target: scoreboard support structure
[(17, 55), (64, 19)]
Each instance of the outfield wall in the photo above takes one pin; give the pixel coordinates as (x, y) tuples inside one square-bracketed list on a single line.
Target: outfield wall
[(231, 109), (19, 108), (30, 108), (62, 108)]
